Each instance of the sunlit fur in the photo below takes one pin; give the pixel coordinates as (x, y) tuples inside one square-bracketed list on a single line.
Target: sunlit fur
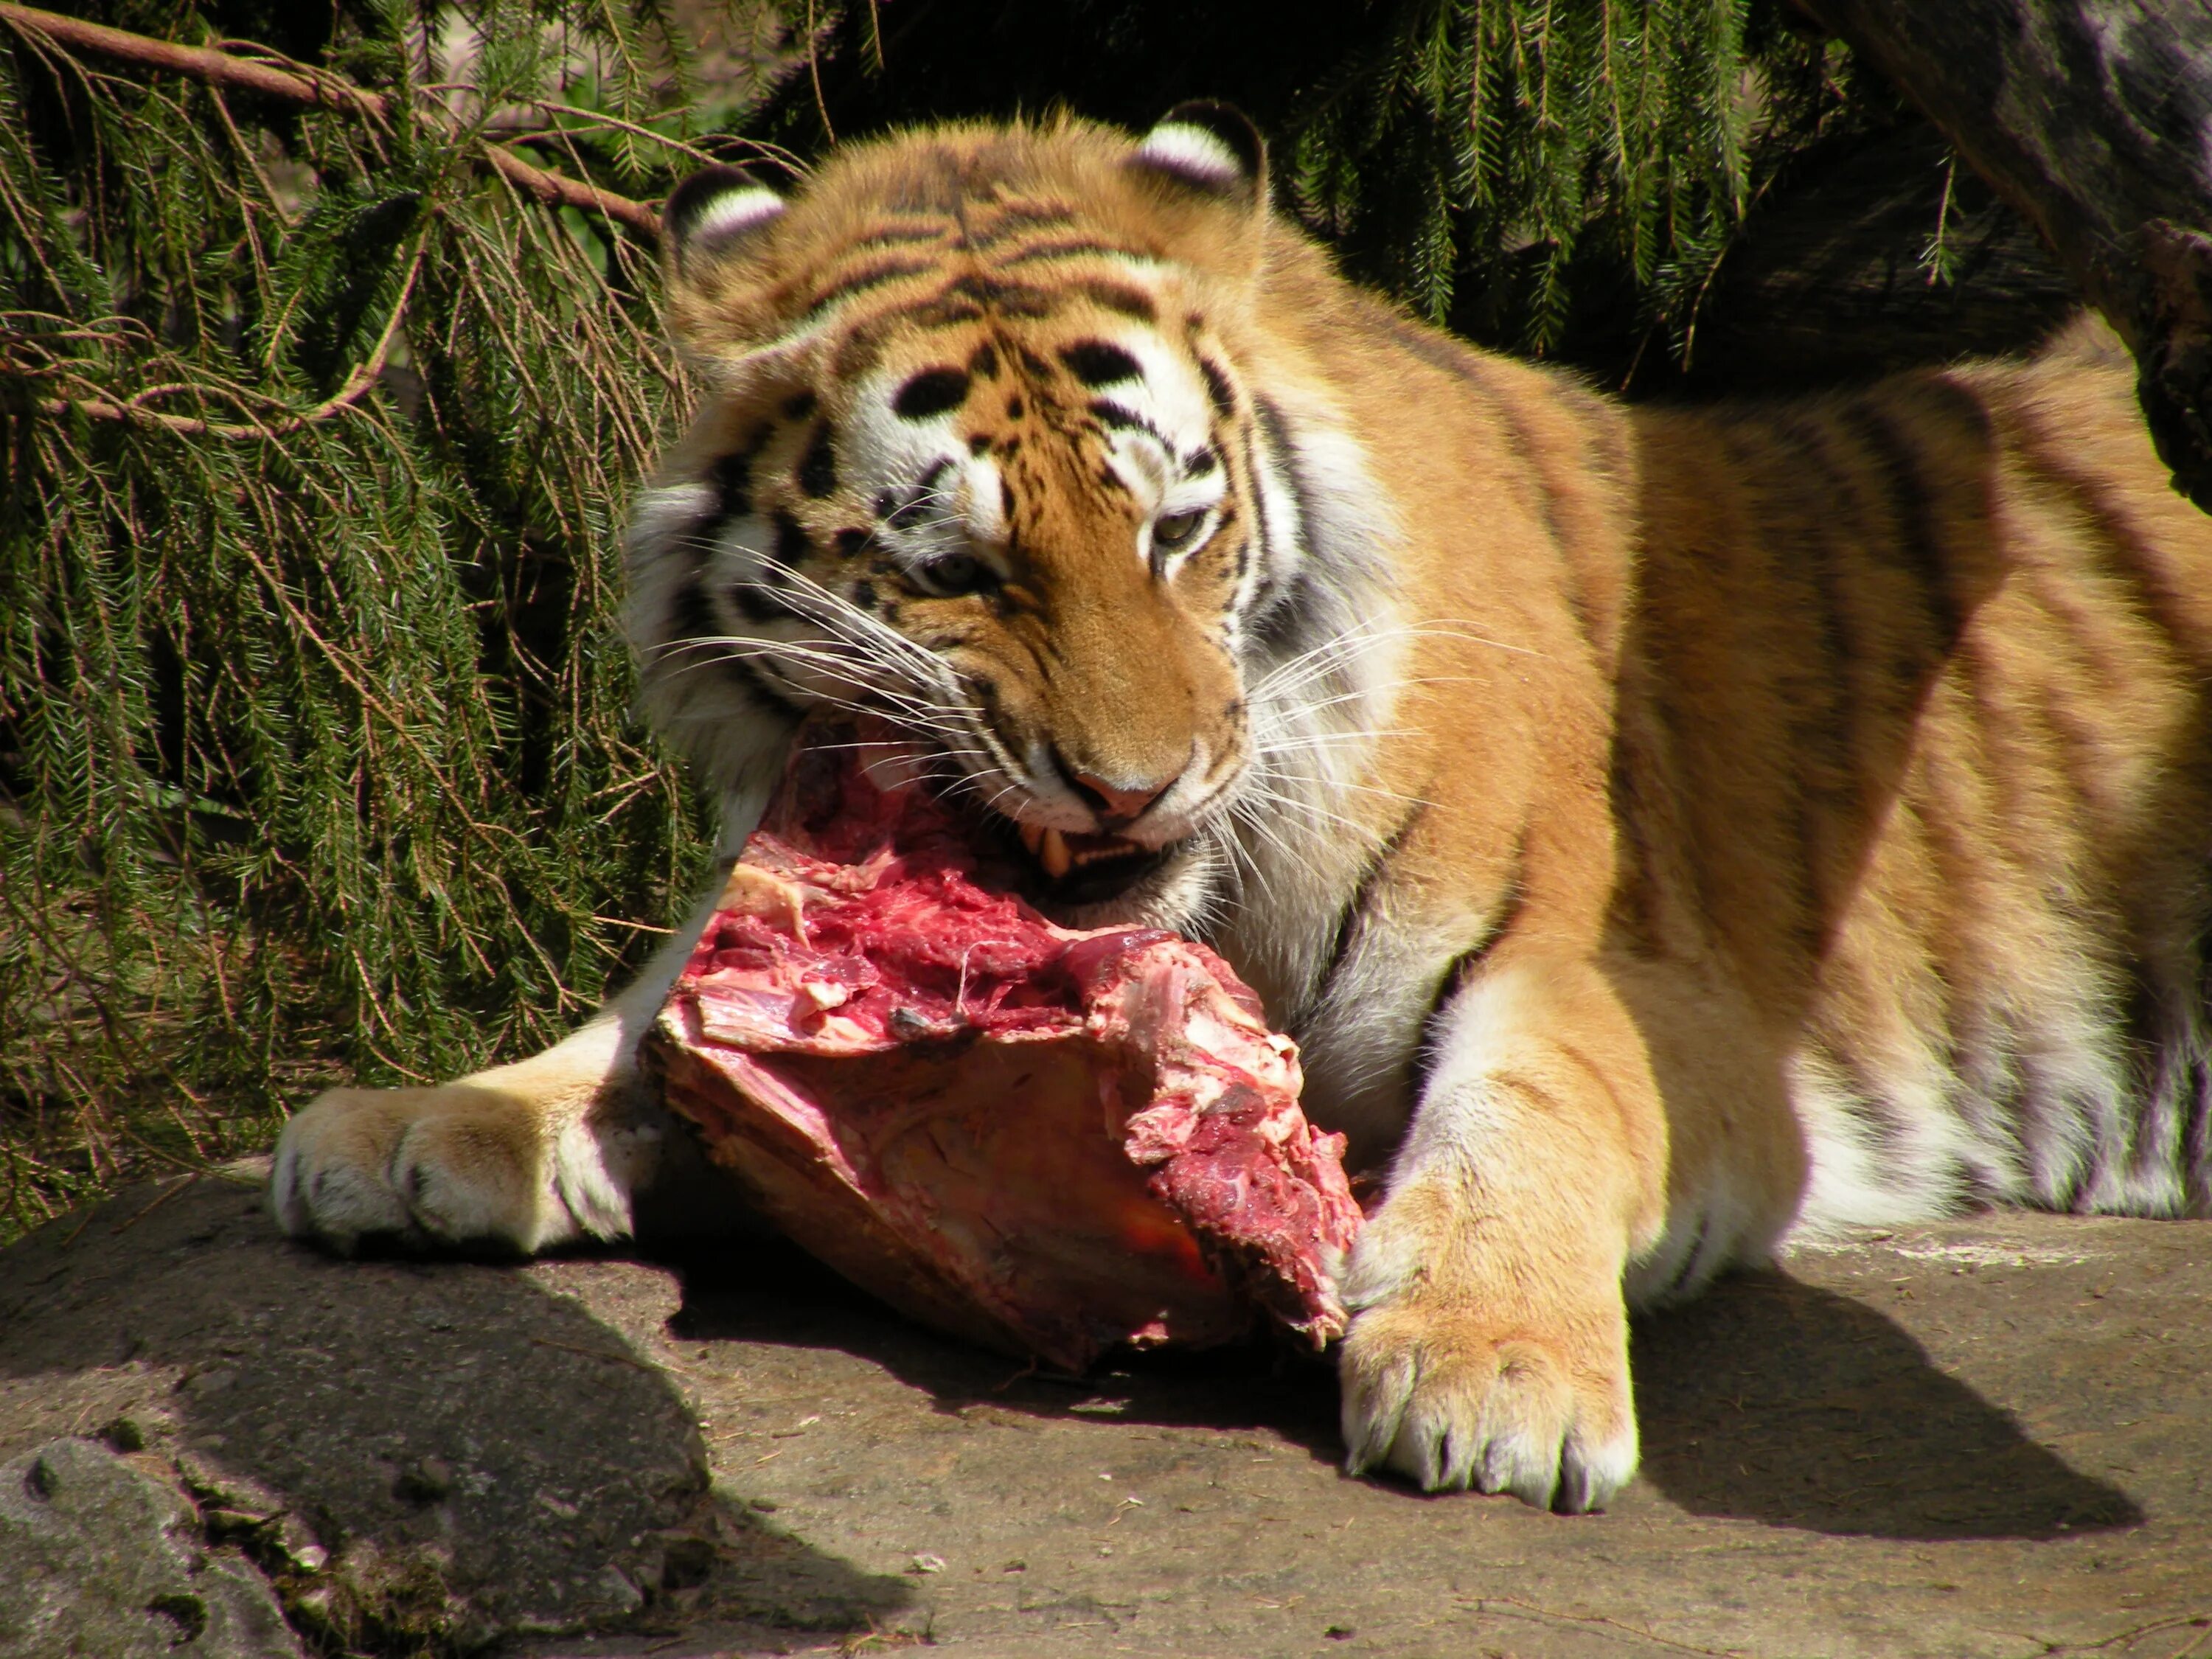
[(1660, 828)]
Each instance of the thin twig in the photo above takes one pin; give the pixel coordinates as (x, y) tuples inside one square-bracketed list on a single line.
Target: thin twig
[(814, 71), (175, 1187), (557, 190)]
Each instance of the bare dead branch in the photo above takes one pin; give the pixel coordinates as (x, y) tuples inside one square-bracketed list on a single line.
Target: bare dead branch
[(230, 71)]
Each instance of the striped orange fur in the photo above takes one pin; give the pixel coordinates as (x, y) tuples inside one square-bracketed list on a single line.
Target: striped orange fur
[(1663, 830)]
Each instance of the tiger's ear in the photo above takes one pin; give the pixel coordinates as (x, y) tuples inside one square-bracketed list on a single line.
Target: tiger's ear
[(1210, 149), (1206, 164), (712, 227), (713, 213)]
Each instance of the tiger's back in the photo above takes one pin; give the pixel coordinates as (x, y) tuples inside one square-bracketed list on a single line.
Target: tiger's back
[(1920, 675)]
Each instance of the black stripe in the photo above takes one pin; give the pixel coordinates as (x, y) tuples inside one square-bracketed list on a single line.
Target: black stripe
[(931, 392), (1912, 511), (912, 508), (868, 276), (691, 614), (928, 230), (1262, 528), (732, 476), (1460, 362), (945, 310), (757, 605), (752, 594), (2123, 545), (1007, 299), (691, 617), (1126, 419), (1824, 706), (1218, 387), (859, 349), (1129, 300), (1437, 350), (747, 675), (1278, 431), (818, 472), (1355, 907), (1097, 363), (1013, 220), (791, 546), (1460, 973), (1279, 619), (1276, 615)]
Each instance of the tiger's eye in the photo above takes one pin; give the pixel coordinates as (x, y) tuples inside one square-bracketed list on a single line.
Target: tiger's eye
[(1177, 531), (954, 575)]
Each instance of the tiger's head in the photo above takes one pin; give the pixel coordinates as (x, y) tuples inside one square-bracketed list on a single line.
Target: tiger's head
[(979, 456)]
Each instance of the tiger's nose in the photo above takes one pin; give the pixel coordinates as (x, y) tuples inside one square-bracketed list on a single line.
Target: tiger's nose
[(1116, 805)]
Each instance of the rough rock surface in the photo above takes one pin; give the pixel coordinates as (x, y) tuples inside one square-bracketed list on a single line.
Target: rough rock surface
[(419, 1453), (98, 1556), (1990, 1440)]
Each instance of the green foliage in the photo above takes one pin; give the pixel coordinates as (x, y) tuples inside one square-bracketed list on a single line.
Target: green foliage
[(1554, 175), (315, 755)]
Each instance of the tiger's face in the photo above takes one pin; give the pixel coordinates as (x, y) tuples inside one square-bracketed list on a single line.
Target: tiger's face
[(977, 462)]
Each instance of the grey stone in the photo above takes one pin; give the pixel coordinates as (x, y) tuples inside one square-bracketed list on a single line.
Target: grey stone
[(1989, 1439), (100, 1559), (420, 1454)]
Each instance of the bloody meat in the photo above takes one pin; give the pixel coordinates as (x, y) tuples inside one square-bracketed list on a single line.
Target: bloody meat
[(1046, 1140)]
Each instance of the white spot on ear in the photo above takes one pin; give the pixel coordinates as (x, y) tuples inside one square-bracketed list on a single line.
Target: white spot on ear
[(736, 213), (1192, 153)]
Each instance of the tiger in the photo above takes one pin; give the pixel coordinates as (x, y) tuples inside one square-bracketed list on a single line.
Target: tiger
[(1669, 832)]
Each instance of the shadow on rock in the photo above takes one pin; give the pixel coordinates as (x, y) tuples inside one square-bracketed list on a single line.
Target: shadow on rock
[(417, 1452), (1767, 1400), (1774, 1400), (781, 1296)]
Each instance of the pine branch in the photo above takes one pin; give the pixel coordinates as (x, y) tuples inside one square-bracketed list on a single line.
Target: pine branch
[(316, 758), (346, 397), (323, 91)]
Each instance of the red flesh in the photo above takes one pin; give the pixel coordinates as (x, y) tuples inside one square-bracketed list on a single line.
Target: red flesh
[(1046, 1140)]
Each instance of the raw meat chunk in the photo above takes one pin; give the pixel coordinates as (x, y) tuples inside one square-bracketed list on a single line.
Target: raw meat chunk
[(1045, 1139)]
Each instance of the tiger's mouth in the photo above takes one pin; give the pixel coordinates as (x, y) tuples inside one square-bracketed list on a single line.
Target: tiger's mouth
[(1072, 870)]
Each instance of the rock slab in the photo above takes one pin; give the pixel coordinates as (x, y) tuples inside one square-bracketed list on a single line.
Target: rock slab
[(100, 1557), (1989, 1439)]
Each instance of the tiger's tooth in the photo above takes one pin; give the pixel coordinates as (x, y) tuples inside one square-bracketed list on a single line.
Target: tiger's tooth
[(1052, 853), (1031, 835)]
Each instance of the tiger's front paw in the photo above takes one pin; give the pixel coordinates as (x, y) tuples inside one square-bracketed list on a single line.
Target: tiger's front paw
[(520, 1157), (1452, 1399), (1478, 1359), (452, 1164)]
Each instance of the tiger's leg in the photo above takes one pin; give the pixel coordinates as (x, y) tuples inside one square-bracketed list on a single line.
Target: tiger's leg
[(1489, 1341), (523, 1156)]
